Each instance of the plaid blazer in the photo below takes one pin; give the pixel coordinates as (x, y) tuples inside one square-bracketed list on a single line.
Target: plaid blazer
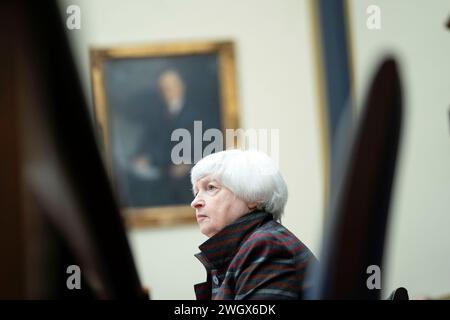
[(253, 258)]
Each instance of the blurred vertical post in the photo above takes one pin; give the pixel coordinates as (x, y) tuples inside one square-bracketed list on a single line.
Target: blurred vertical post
[(335, 89)]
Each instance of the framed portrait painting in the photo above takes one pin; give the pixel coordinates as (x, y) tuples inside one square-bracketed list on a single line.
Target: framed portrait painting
[(149, 100)]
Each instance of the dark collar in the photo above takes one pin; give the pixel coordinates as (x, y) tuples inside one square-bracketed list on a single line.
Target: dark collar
[(218, 250)]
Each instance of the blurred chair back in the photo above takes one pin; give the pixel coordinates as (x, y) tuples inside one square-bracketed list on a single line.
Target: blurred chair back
[(356, 222), (59, 208), (399, 294)]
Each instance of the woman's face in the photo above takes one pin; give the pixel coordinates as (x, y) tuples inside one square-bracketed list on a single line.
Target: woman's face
[(216, 206)]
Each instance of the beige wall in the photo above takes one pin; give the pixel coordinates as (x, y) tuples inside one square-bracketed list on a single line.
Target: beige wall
[(276, 81), (419, 244)]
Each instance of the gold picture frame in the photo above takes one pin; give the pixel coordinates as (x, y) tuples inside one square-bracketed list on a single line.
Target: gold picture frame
[(113, 93)]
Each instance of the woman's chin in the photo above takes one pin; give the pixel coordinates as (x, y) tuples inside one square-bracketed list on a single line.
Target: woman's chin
[(206, 230)]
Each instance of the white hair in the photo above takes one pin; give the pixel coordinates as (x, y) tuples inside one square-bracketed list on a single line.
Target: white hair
[(251, 175)]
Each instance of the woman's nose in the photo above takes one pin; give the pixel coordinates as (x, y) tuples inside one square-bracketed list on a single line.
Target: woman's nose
[(197, 203)]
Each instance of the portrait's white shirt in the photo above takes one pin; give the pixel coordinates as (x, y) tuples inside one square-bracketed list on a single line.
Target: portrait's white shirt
[(175, 107)]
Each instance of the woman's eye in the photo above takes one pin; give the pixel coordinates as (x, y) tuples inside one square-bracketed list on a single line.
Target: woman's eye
[(211, 187)]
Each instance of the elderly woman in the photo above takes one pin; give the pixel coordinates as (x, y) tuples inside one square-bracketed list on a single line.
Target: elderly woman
[(239, 199)]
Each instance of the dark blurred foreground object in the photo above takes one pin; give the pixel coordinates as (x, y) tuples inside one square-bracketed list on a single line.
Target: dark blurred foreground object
[(57, 206), (399, 294), (355, 232)]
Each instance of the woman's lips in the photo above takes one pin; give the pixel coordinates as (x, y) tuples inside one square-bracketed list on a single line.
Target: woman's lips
[(201, 217)]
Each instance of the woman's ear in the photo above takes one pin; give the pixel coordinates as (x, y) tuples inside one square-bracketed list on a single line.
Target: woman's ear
[(252, 206)]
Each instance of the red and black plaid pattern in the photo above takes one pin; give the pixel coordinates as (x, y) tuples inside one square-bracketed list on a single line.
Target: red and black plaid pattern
[(254, 258)]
